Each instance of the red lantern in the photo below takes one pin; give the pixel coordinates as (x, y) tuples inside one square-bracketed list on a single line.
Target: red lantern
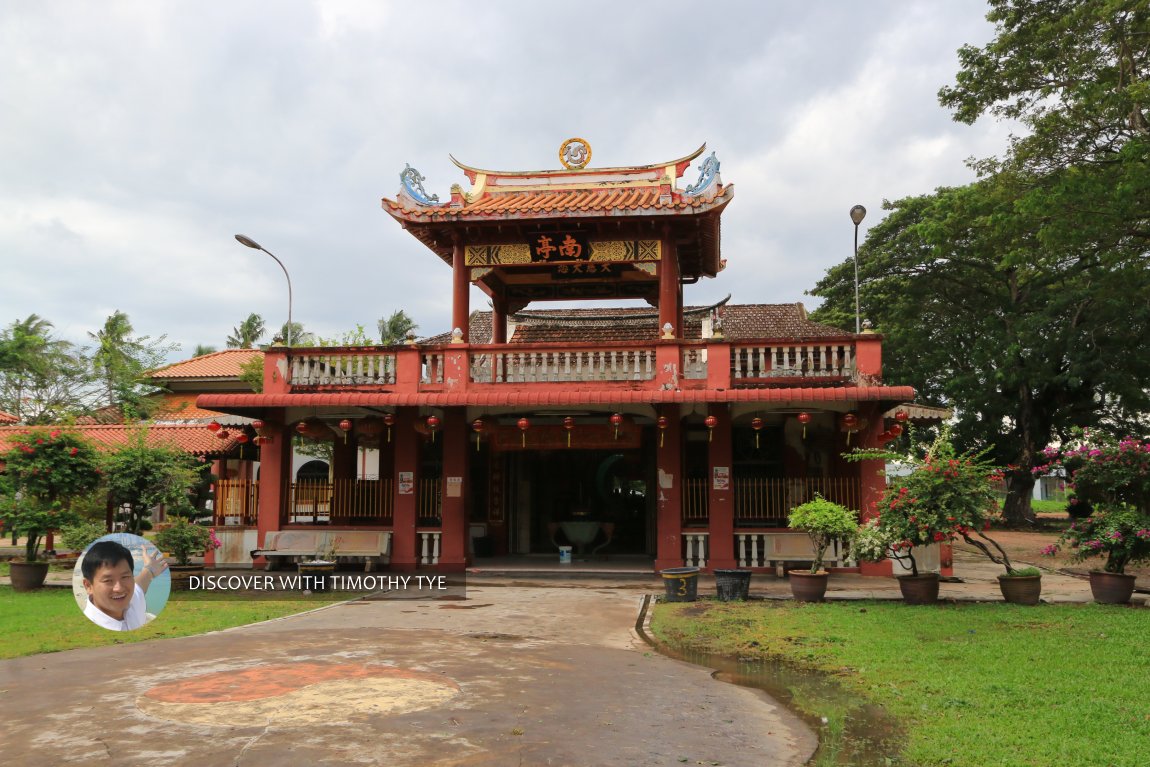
[(895, 430), (301, 427), (569, 424), (223, 434), (523, 425), (851, 422), (241, 438), (214, 426), (389, 421), (257, 424), (478, 426), (804, 419), (757, 425), (345, 427), (432, 425), (710, 422), (616, 421), (901, 416), (662, 423)]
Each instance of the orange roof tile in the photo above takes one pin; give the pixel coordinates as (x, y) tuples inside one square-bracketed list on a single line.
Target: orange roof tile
[(181, 406), (8, 417), (225, 364), (191, 438)]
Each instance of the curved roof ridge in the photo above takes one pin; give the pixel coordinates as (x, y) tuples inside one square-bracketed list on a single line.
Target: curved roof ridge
[(570, 171), (621, 317)]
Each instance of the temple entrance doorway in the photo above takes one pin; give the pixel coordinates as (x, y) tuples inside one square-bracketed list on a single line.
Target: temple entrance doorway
[(597, 501)]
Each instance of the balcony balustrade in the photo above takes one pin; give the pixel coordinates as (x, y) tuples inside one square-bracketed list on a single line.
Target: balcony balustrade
[(711, 363)]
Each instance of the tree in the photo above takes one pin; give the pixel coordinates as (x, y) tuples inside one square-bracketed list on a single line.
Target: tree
[(44, 473), (248, 333), (394, 329), (121, 359), (202, 349), (42, 379), (299, 336), (140, 477), (1026, 337)]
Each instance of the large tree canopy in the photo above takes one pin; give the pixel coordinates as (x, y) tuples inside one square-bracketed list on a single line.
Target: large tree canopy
[(42, 378), (1023, 337), (1024, 299), (120, 360)]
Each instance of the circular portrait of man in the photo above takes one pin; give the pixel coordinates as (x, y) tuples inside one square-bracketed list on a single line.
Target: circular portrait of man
[(121, 582)]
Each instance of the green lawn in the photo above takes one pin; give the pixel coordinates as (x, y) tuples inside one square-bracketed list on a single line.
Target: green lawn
[(974, 684), (49, 621)]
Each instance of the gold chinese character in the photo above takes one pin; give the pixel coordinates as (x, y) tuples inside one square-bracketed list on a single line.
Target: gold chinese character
[(544, 249), (570, 248)]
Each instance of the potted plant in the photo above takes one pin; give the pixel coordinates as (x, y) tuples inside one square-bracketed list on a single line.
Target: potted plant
[(946, 495), (44, 472), (1112, 476), (180, 541), (824, 522), (323, 562)]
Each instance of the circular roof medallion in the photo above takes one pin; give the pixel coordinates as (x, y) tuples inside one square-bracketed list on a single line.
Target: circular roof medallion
[(575, 153)]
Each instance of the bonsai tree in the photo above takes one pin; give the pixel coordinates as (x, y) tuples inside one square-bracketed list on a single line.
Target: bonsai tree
[(142, 476), (183, 540), (1111, 478), (946, 496), (45, 472), (824, 522)]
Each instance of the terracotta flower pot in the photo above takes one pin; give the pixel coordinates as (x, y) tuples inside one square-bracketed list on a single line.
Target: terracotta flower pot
[(1021, 589), (27, 576), (921, 589), (807, 586), (1111, 588)]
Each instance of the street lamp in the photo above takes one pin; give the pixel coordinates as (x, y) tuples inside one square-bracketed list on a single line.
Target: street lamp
[(245, 240), (858, 213)]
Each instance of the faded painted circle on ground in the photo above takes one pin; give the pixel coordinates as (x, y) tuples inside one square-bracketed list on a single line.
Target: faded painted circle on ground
[(297, 693)]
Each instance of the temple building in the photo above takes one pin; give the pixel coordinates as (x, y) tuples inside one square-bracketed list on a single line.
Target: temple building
[(683, 434)]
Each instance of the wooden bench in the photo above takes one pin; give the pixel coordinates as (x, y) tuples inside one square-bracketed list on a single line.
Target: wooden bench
[(373, 546), (778, 549)]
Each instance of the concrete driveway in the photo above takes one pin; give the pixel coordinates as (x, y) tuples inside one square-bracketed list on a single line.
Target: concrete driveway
[(509, 676)]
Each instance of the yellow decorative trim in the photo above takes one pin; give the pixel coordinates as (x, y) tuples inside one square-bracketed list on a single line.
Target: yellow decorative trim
[(478, 273), (656, 166), (626, 250), (651, 269), (575, 153), (496, 255)]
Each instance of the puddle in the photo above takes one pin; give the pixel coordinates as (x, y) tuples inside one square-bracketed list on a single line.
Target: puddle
[(462, 607), (852, 731)]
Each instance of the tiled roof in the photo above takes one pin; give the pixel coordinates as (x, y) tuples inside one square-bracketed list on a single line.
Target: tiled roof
[(180, 406), (7, 417), (225, 364), (557, 397), (194, 439), (545, 203), (739, 322)]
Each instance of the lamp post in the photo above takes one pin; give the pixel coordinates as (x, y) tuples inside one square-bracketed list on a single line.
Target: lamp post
[(858, 213), (245, 240)]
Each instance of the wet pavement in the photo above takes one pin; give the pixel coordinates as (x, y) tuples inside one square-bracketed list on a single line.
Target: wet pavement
[(509, 676), (529, 669)]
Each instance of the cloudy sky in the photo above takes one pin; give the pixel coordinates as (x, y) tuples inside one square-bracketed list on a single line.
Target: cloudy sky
[(136, 138)]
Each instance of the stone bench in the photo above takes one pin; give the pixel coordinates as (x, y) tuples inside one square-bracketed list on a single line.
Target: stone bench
[(373, 546)]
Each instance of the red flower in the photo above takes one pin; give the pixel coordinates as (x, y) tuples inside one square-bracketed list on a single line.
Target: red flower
[(939, 537), (73, 451)]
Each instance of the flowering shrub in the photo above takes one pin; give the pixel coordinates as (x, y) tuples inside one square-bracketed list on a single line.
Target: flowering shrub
[(184, 540), (947, 495), (1112, 477), (45, 471)]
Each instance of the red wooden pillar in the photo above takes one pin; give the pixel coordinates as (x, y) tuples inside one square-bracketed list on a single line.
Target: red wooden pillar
[(498, 319), (720, 492), (405, 441), (670, 295), (669, 493), (453, 545), (275, 476), (872, 478), (460, 291)]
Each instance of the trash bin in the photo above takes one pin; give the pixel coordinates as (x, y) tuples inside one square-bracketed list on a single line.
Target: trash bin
[(682, 583), (564, 555), (732, 585)]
